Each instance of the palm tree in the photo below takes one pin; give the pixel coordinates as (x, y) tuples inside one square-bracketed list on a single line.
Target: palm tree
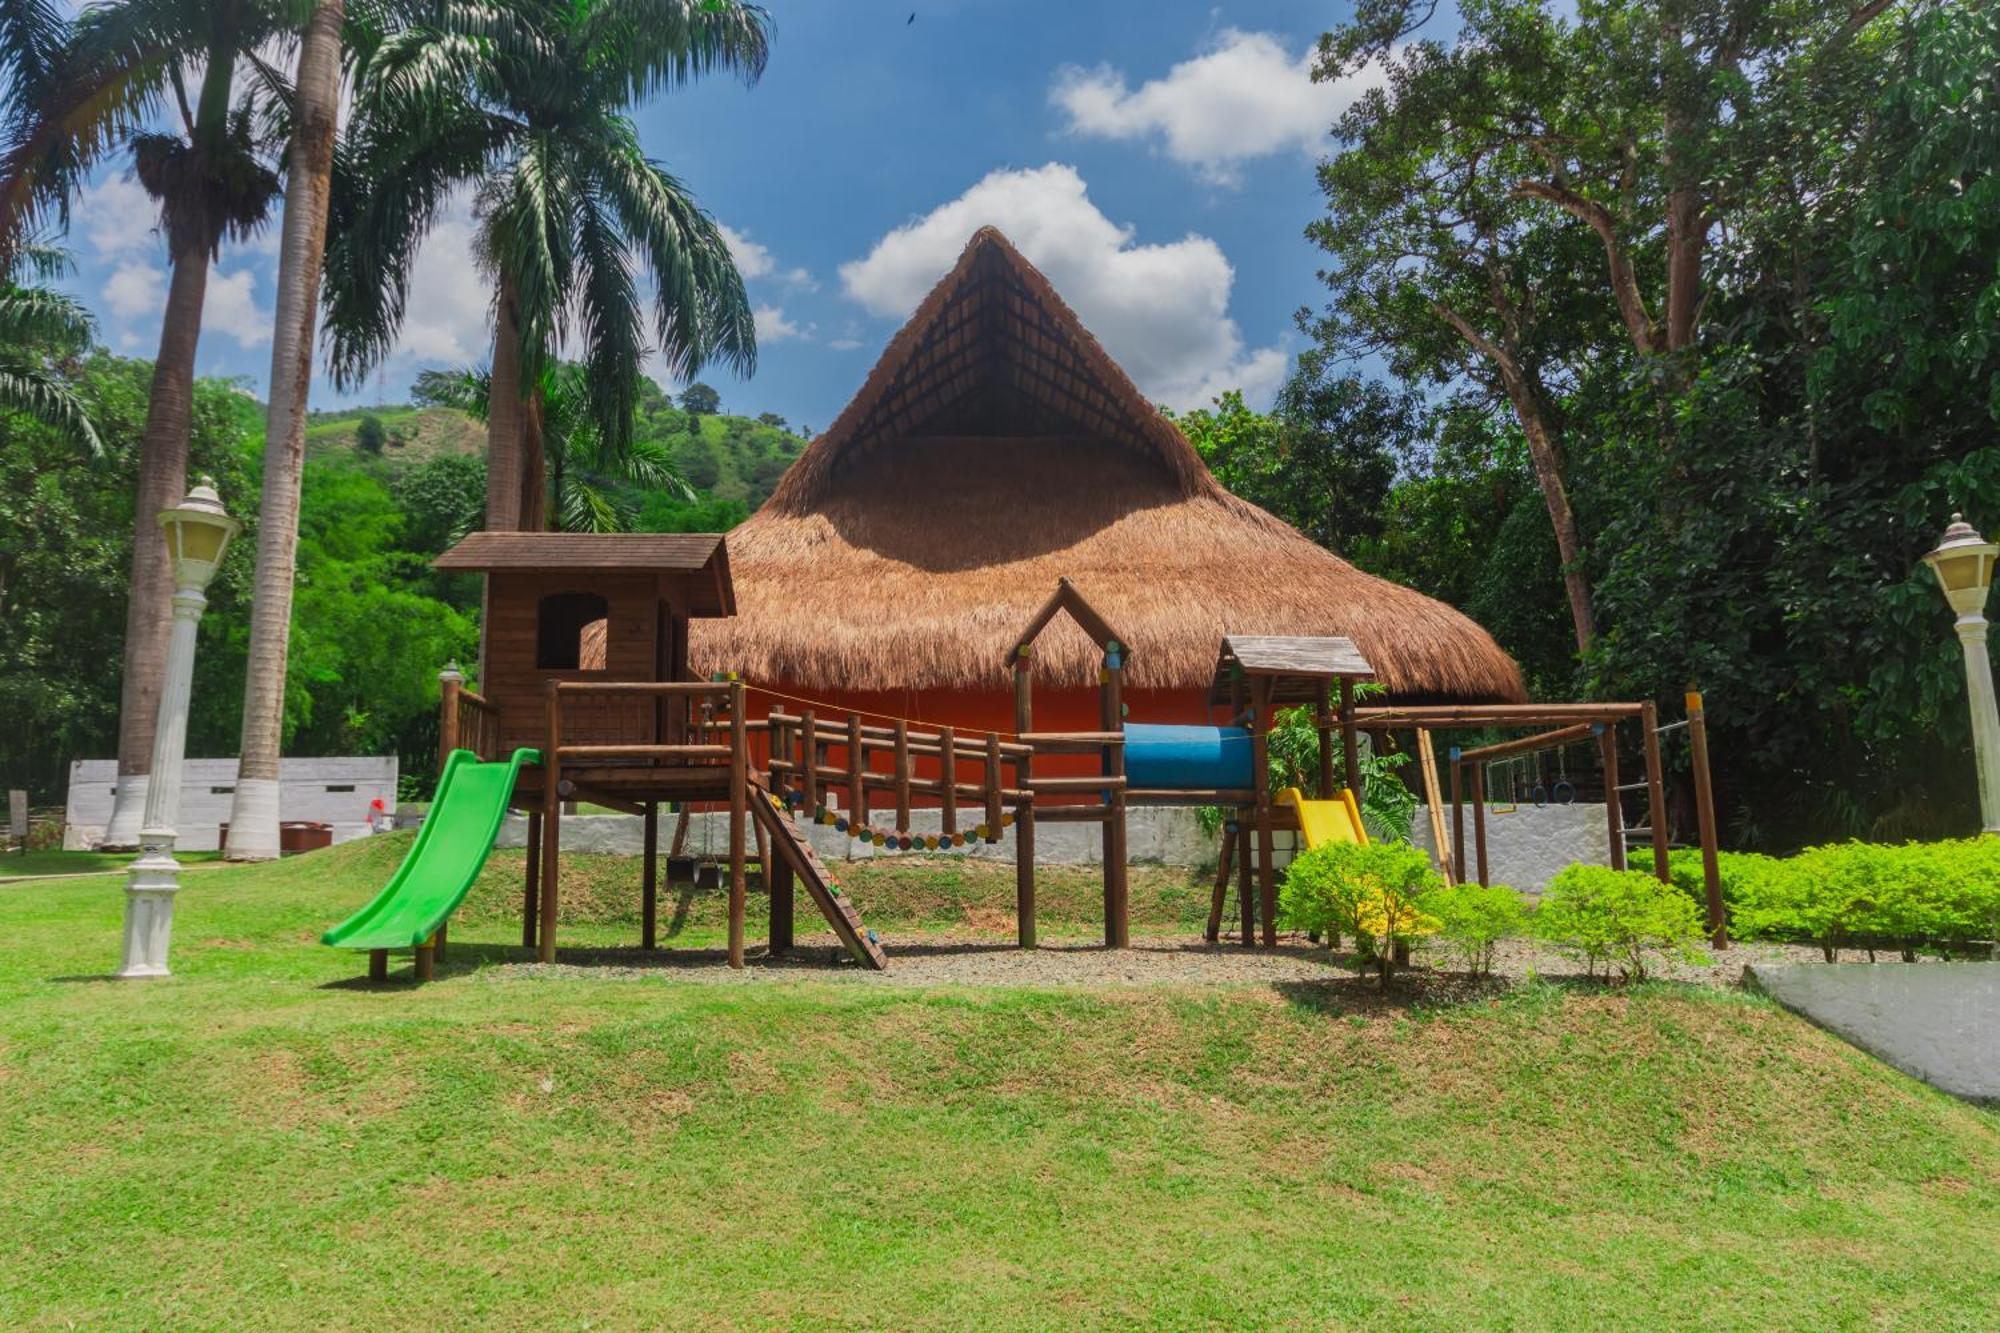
[(580, 457), (253, 808), (40, 327), (100, 87), (528, 105)]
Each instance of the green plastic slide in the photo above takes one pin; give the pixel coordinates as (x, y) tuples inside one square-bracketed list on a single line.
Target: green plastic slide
[(450, 849)]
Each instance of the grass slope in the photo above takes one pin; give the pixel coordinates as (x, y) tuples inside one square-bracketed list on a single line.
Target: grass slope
[(426, 432), (258, 1141)]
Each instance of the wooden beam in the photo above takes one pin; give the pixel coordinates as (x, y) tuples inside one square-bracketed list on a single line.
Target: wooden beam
[(1529, 744), (1427, 759), (545, 939), (649, 878), (1614, 810), (739, 794), (1656, 791), (1704, 805)]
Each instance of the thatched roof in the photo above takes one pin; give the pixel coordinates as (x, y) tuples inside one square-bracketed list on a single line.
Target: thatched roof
[(994, 448)]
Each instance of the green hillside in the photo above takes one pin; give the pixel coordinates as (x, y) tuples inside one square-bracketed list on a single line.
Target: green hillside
[(734, 461)]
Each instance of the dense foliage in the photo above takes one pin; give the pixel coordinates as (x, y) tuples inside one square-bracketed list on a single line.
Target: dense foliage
[(1373, 892), (1707, 293)]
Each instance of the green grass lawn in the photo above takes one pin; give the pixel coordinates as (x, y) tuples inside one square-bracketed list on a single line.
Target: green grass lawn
[(259, 1141)]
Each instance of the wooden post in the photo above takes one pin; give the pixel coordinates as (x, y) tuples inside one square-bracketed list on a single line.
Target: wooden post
[(439, 937), (902, 777), (427, 959), (948, 771), (1479, 820), (1324, 720), (1656, 788), (1350, 739), (1704, 805), (378, 964), (551, 822), (649, 879), (1260, 774), (531, 896), (739, 793), (1223, 861), (1614, 810), (808, 774), (1457, 813), (778, 878), (450, 684), (1111, 714), (857, 768), (1024, 815), (1246, 889), (1434, 803)]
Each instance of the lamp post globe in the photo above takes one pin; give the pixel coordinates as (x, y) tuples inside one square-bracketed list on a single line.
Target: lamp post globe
[(1963, 563), (197, 532)]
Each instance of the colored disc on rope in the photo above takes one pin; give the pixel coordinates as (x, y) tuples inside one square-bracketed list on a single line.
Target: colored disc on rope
[(840, 824)]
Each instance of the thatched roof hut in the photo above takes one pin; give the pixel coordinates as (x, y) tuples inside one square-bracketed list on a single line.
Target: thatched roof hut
[(995, 447)]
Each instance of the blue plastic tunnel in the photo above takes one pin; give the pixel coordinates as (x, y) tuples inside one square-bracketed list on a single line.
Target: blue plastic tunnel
[(1177, 758)]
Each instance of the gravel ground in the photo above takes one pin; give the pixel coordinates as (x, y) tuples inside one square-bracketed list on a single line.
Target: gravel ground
[(1185, 960)]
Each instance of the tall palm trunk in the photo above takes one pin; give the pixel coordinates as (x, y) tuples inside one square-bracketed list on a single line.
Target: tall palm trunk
[(536, 493), (504, 419), (163, 451), (253, 811)]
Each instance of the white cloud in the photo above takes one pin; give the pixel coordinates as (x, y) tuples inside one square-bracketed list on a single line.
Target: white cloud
[(754, 260), (1244, 97), (135, 291), (1161, 310), (115, 218), (231, 307), (773, 326), (447, 320)]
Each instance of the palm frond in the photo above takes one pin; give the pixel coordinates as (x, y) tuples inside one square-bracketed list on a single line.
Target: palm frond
[(582, 507), (701, 310), (36, 317), (608, 314), (527, 237), (650, 464), (468, 388), (38, 392), (656, 45)]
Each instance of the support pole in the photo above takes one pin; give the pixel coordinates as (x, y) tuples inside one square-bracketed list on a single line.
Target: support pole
[(1704, 805), (1246, 889), (808, 772), (551, 822), (1024, 815), (1656, 790), (1350, 739), (778, 876), (902, 776), (948, 774), (1325, 722), (649, 879), (1479, 821), (1224, 860), (451, 682), (1614, 811), (1111, 716), (378, 964), (531, 896), (1457, 813), (739, 793), (1260, 754)]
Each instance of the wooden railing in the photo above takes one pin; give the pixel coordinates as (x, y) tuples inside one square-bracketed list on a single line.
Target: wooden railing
[(800, 752), (466, 721)]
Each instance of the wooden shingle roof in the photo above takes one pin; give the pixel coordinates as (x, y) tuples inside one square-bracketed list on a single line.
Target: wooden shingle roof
[(1298, 663), (701, 559)]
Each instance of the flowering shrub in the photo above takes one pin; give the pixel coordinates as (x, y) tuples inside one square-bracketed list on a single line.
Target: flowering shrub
[(1606, 917), (1371, 891)]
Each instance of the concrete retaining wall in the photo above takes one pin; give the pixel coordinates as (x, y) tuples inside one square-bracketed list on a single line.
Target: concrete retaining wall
[(1525, 848), (334, 791), (1933, 1021)]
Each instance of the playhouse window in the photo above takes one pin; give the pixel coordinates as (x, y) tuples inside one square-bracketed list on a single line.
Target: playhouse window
[(570, 632)]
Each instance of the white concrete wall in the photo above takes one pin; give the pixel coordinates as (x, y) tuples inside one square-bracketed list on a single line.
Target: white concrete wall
[(334, 791), (1525, 848)]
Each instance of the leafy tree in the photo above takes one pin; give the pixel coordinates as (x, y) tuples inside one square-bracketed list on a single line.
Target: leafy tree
[(773, 420), (530, 104), (581, 460), (41, 328), (699, 400), (90, 88), (370, 436)]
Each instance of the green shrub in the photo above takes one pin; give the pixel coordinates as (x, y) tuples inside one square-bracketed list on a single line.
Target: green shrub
[(1473, 919), (1869, 895), (1370, 891), (1606, 916)]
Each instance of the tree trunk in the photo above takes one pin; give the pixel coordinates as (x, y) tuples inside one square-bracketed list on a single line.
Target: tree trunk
[(1545, 456), (504, 420), (163, 454), (535, 493), (253, 811)]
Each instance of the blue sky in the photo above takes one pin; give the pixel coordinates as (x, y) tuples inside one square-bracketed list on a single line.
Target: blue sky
[(1154, 158)]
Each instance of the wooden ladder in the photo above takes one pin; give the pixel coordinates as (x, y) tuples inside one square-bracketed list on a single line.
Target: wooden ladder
[(789, 841)]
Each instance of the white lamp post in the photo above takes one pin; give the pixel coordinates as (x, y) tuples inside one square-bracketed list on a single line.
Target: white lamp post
[(197, 532), (1963, 563)]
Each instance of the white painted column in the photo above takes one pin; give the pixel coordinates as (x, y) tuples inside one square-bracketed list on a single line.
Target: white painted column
[(1985, 717), (128, 813), (152, 881)]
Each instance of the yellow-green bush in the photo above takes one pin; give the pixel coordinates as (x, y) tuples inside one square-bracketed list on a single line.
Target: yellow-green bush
[(1604, 916), (1908, 896), (1368, 890), (1473, 919)]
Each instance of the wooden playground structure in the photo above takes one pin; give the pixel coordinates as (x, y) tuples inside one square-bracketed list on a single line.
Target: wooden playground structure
[(586, 663)]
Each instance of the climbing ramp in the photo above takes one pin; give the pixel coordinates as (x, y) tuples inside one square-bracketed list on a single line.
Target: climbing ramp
[(788, 840)]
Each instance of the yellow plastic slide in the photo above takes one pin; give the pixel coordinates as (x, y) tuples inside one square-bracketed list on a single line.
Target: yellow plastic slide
[(1320, 822)]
